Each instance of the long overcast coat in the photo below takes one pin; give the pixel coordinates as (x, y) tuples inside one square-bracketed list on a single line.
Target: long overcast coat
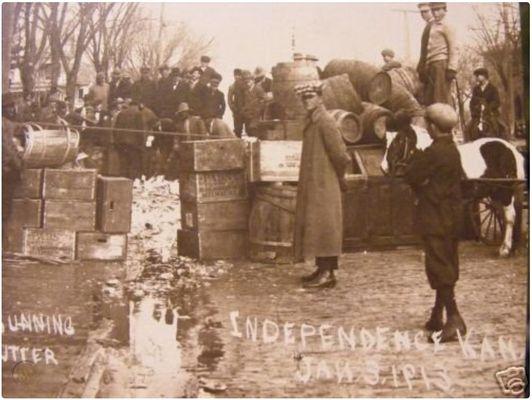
[(318, 219)]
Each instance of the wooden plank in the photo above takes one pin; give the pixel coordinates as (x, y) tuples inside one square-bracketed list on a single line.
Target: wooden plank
[(223, 215), (57, 243), (69, 184), (211, 155), (279, 160), (213, 186), (101, 246), (114, 201), (30, 185), (70, 214), (212, 245)]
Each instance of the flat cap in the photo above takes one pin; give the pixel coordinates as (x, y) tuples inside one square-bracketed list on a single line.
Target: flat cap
[(205, 59), (388, 52), (442, 115), (182, 107), (481, 71), (216, 77), (309, 88), (436, 5)]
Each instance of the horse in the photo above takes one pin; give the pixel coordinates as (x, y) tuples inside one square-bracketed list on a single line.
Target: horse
[(482, 158)]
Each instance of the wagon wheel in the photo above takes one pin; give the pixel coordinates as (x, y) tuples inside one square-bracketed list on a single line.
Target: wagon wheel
[(487, 218)]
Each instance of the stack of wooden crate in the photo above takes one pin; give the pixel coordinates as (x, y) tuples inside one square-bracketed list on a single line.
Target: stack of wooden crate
[(70, 214), (214, 199)]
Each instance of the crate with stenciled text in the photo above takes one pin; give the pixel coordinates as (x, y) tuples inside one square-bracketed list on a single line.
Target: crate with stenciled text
[(69, 184), (114, 201), (213, 186), (46, 242), (101, 246), (70, 214), (211, 155)]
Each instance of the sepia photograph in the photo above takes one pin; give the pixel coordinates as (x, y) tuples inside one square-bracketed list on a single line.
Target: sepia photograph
[(265, 199)]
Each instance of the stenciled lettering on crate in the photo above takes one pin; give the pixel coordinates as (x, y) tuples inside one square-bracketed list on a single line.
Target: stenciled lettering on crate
[(56, 243), (213, 186), (211, 155)]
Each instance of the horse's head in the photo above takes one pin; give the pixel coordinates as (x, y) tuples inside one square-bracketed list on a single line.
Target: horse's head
[(400, 145)]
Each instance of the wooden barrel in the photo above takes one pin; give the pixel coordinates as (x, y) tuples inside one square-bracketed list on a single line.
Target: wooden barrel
[(359, 72), (271, 224), (285, 77), (49, 147), (339, 93), (373, 121), (396, 89), (349, 125)]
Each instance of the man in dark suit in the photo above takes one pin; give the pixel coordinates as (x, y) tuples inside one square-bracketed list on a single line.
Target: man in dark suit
[(144, 91), (232, 100), (119, 87), (207, 71), (262, 80), (213, 100), (194, 95), (484, 107), (426, 14), (163, 94), (435, 175)]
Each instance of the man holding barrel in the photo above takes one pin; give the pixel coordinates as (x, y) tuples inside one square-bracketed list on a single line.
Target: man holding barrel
[(318, 218)]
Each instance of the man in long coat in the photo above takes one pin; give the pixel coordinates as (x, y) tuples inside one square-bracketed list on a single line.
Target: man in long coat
[(435, 176), (318, 217)]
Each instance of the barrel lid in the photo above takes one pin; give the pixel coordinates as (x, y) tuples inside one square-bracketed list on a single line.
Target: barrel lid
[(380, 88)]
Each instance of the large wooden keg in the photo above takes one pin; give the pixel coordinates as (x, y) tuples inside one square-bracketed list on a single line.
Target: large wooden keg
[(359, 72), (373, 121), (349, 125), (396, 89), (286, 76), (49, 147), (339, 93), (271, 223)]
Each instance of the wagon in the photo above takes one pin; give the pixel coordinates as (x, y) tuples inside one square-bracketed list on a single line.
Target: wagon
[(379, 210)]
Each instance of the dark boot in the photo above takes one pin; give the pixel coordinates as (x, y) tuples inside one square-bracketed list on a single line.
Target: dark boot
[(455, 324), (435, 323), (325, 279), (311, 277)]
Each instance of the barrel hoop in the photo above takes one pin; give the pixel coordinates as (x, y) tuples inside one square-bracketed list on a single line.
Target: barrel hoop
[(270, 243), (273, 203)]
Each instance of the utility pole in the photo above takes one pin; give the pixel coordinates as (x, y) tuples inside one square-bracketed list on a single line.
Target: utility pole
[(405, 12)]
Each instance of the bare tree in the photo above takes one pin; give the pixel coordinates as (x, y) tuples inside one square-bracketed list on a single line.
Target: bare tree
[(179, 47), (70, 39), (110, 34), (498, 42), (10, 12)]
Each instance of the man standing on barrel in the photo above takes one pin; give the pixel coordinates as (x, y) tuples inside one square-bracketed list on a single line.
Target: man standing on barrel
[(435, 176), (318, 218)]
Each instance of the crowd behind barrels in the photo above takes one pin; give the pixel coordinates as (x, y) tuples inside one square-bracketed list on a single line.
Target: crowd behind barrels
[(140, 124), (121, 116)]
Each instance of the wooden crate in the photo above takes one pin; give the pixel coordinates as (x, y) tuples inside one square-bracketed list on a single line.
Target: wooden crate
[(101, 246), (26, 213), (30, 185), (212, 245), (14, 238), (114, 200), (211, 155), (56, 243), (219, 216), (213, 186), (72, 214), (69, 184), (274, 161)]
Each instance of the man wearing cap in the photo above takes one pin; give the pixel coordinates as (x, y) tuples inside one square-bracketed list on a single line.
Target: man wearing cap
[(251, 100), (441, 59), (484, 107), (194, 96), (318, 226), (206, 71), (178, 90), (119, 87), (144, 91), (213, 100), (388, 56), (262, 80), (232, 100), (435, 175), (426, 14), (99, 91)]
